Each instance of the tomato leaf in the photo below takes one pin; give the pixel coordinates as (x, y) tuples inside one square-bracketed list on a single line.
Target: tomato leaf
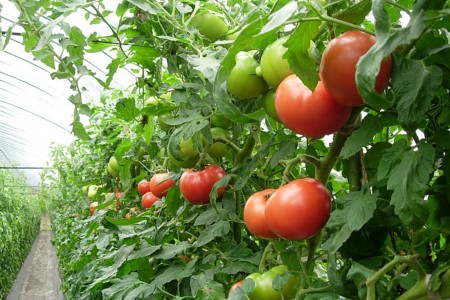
[(358, 208), (124, 222), (279, 18), (210, 216), (407, 173), (299, 53), (369, 64), (126, 109), (212, 290), (174, 272), (414, 85), (78, 128), (169, 251), (128, 287), (355, 13), (364, 134), (218, 229)]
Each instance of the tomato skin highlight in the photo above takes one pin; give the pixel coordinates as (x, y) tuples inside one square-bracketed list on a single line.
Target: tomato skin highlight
[(196, 186), (299, 209), (160, 184), (255, 214), (148, 199), (338, 67), (143, 186), (312, 114)]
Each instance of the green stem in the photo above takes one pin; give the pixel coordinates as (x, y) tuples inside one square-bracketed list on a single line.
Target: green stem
[(246, 151), (303, 292), (327, 163), (262, 263), (354, 172), (237, 226), (290, 163), (227, 142), (372, 281)]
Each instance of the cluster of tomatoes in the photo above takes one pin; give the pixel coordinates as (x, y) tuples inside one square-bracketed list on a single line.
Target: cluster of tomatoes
[(195, 186), (288, 100), (295, 211)]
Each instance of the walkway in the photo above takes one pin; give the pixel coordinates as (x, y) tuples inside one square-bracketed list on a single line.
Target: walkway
[(38, 278)]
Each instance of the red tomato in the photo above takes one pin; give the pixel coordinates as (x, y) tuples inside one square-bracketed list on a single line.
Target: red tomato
[(338, 66), (312, 114), (93, 207), (255, 214), (119, 195), (299, 209), (160, 184), (148, 199), (143, 186), (196, 186)]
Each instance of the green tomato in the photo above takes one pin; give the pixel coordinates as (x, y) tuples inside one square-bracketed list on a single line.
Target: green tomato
[(219, 120), (268, 103), (243, 81), (274, 68), (92, 191), (187, 149), (210, 25), (162, 120), (113, 163), (187, 163), (218, 149), (263, 285)]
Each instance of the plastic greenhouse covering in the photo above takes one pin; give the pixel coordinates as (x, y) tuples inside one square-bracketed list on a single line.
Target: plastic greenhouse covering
[(34, 108)]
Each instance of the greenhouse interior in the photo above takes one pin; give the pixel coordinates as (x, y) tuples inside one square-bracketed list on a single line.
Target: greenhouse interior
[(224, 149)]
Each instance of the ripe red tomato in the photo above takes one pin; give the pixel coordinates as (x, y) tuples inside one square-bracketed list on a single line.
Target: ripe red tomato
[(312, 114), (299, 209), (148, 199), (160, 184), (338, 67), (196, 186), (143, 186), (255, 214), (93, 207)]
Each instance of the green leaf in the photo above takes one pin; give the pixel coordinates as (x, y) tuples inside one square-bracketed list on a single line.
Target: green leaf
[(387, 42), (280, 17), (127, 288), (218, 229), (169, 251), (174, 272), (364, 134), (407, 173), (358, 209), (210, 216), (145, 251), (78, 128), (299, 53), (414, 86), (77, 36), (126, 109), (356, 13), (212, 290), (125, 222)]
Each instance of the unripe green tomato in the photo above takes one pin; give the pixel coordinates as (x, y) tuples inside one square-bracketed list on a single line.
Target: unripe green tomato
[(274, 68), (268, 103), (187, 149), (219, 120), (162, 121), (243, 81), (218, 149), (111, 171), (113, 163), (263, 285), (92, 191), (187, 163), (210, 25)]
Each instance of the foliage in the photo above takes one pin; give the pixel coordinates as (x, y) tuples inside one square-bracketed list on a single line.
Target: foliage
[(387, 169), (20, 215)]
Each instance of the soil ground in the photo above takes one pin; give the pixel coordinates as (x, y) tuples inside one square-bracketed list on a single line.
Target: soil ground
[(38, 278)]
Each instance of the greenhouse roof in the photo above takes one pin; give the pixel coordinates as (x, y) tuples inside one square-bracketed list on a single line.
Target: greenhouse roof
[(34, 109)]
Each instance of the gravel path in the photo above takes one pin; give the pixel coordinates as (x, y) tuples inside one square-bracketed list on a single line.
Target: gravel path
[(38, 278)]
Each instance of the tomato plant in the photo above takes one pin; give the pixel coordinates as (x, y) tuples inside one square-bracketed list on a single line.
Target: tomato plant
[(274, 67), (312, 114), (196, 186), (255, 214), (243, 82), (299, 209), (264, 285), (268, 103), (219, 120), (160, 184), (148, 199), (338, 67)]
